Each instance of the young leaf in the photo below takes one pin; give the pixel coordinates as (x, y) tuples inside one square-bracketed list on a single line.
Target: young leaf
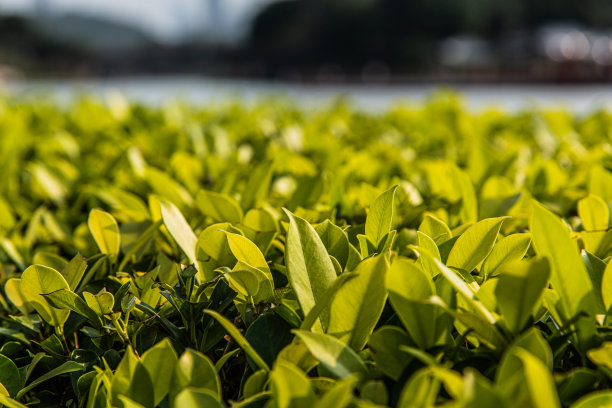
[(335, 356), (309, 268), (507, 249), (291, 387), (569, 276), (520, 286), (102, 303), (74, 271), (219, 207), (339, 396), (380, 217), (160, 360), (473, 246), (35, 281), (179, 229), (594, 213), (196, 398), (597, 399), (257, 186), (246, 251), (606, 286), (105, 231), (358, 304), (12, 289), (132, 380), (65, 299), (193, 369), (539, 381), (335, 240), (409, 286), (435, 229)]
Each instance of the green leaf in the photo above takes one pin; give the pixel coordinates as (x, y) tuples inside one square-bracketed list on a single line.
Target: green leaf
[(335, 356), (339, 396), (594, 213), (10, 403), (74, 271), (380, 217), (569, 276), (12, 290), (539, 381), (358, 304), (520, 286), (385, 344), (65, 368), (290, 387), (606, 286), (132, 380), (65, 299), (257, 186), (239, 339), (461, 287), (196, 398), (599, 399), (246, 251), (212, 250), (179, 229), (219, 207), (324, 301), (507, 249), (105, 231), (268, 335), (160, 360), (9, 375), (408, 287), (335, 240), (435, 229), (600, 183), (473, 246), (193, 369), (469, 204), (35, 281), (309, 268), (102, 303)]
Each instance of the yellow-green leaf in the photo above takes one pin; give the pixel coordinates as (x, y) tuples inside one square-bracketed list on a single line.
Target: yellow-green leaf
[(594, 213), (473, 246), (105, 231), (37, 280)]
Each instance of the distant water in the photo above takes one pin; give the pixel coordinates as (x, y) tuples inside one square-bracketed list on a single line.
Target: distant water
[(156, 90)]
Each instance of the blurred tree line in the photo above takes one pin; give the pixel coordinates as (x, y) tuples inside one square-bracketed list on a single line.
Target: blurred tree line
[(401, 32)]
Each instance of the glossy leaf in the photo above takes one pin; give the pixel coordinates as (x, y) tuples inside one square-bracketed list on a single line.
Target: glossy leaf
[(309, 269), (179, 229), (358, 304), (37, 280), (473, 246), (380, 217), (520, 286), (568, 274), (335, 356), (105, 231), (219, 207)]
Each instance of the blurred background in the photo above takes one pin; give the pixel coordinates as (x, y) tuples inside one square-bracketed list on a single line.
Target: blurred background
[(309, 42)]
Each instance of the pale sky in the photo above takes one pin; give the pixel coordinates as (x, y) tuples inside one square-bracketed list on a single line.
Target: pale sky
[(168, 20)]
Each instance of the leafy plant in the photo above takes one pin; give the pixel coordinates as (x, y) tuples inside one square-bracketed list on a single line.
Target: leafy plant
[(268, 256)]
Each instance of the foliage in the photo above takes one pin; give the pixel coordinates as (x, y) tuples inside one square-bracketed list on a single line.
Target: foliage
[(266, 256)]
